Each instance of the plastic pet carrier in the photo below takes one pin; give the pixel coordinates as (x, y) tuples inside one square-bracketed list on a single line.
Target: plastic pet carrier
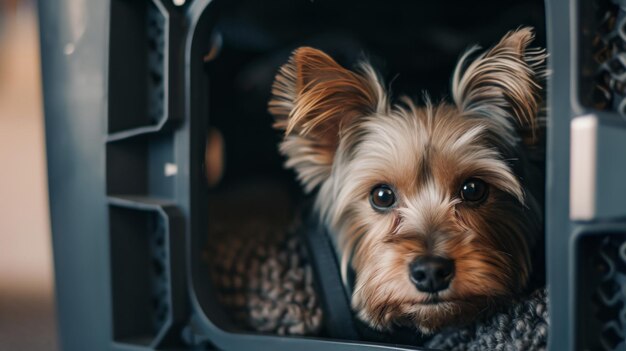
[(133, 89)]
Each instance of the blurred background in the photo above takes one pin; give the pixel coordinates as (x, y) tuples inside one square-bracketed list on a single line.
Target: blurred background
[(27, 319)]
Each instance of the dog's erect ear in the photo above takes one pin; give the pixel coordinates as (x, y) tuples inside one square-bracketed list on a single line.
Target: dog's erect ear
[(314, 100), (504, 83)]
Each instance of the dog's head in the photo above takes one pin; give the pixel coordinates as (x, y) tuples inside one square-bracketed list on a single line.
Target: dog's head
[(424, 200)]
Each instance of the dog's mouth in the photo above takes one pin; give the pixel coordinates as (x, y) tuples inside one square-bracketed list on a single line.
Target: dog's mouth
[(432, 300), (435, 299)]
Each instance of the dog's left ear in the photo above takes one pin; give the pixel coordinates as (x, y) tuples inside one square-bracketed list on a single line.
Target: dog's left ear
[(504, 83)]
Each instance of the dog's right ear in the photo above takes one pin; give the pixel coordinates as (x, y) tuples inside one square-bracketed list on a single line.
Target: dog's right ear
[(503, 84), (314, 100)]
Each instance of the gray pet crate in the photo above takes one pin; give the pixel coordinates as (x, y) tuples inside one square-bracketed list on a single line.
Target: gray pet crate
[(129, 91)]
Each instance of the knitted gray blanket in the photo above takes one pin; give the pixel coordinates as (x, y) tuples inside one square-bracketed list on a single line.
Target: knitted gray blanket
[(265, 282), (523, 326)]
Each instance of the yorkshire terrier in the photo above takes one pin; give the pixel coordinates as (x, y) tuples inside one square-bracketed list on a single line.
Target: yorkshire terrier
[(430, 205)]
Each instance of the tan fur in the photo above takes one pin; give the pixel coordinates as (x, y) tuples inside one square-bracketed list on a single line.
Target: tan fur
[(344, 138)]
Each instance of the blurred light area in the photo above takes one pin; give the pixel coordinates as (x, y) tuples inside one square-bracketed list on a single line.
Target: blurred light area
[(26, 275)]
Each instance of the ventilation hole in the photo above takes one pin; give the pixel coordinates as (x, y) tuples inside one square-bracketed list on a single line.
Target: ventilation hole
[(156, 77), (161, 314), (601, 97), (610, 288), (601, 51), (617, 67), (152, 45), (615, 44), (156, 302), (604, 78), (157, 267), (160, 240), (611, 338)]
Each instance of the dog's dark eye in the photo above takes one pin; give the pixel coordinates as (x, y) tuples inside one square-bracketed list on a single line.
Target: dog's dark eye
[(474, 190), (382, 197)]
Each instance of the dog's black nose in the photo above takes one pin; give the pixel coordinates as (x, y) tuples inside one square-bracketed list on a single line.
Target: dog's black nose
[(431, 273)]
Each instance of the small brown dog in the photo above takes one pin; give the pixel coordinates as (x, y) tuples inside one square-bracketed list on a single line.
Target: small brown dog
[(429, 203)]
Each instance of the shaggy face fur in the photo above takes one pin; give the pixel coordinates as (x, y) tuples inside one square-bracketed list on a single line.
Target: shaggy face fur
[(345, 138)]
